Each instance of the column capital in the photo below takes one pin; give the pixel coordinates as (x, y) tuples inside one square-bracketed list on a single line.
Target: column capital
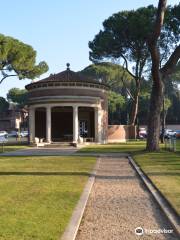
[(31, 108), (48, 107), (97, 108), (75, 106)]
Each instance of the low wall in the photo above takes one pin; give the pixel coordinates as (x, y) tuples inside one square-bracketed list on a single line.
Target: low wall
[(121, 133)]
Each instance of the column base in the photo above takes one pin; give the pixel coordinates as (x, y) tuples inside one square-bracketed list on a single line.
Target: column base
[(74, 144)]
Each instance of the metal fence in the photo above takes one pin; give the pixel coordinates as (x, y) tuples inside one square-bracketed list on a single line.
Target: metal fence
[(170, 144), (17, 140), (12, 141)]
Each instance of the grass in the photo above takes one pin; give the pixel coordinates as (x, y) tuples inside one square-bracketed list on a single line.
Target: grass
[(10, 148), (128, 147), (38, 195), (178, 145), (162, 167)]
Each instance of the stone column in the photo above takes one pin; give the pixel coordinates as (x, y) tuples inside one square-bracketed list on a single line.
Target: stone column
[(75, 124), (48, 124), (98, 124), (31, 124)]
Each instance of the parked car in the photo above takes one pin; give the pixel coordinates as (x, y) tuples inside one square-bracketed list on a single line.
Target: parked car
[(13, 134), (3, 134), (3, 139), (142, 133), (177, 133), (16, 134), (168, 133), (24, 134)]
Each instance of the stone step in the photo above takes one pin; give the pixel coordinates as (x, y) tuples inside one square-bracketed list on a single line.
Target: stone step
[(59, 145)]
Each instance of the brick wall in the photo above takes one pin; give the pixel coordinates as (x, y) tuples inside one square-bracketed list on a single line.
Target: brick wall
[(121, 133)]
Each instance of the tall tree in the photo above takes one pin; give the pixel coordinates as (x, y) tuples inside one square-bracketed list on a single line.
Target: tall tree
[(18, 59), (125, 36), (116, 103), (175, 77), (171, 30), (114, 75), (18, 96), (123, 39), (121, 85), (4, 105)]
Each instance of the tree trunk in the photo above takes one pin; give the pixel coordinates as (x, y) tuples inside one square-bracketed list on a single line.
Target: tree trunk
[(154, 121), (163, 122), (134, 110), (158, 86), (157, 76)]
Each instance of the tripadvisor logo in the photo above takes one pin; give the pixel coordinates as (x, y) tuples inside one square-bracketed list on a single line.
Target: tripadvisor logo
[(139, 231)]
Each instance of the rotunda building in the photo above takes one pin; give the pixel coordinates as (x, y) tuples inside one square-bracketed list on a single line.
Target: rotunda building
[(68, 107)]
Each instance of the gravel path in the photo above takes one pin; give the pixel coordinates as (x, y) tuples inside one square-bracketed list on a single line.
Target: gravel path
[(118, 204)]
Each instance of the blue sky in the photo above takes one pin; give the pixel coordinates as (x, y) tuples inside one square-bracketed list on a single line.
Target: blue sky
[(59, 30)]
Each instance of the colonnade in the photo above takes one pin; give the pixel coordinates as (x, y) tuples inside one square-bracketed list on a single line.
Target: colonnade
[(97, 119)]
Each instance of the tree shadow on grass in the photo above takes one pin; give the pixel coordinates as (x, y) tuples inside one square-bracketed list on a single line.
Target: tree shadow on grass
[(138, 152), (164, 174), (44, 174), (115, 177), (126, 177)]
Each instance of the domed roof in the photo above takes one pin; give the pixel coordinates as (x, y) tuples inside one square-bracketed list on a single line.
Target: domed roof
[(67, 76)]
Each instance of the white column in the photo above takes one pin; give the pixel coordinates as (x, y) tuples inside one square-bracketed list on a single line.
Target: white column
[(48, 124), (75, 124), (31, 124), (98, 124)]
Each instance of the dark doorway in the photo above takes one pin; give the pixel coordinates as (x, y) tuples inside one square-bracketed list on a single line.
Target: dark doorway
[(62, 124), (40, 123), (86, 123)]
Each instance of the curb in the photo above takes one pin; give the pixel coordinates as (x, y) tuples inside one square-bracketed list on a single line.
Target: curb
[(73, 226), (160, 199)]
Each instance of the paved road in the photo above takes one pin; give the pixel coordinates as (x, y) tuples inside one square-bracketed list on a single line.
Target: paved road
[(63, 151), (118, 204)]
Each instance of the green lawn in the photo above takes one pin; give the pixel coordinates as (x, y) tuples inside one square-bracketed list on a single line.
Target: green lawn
[(38, 195), (120, 147), (178, 145), (163, 167), (10, 148)]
